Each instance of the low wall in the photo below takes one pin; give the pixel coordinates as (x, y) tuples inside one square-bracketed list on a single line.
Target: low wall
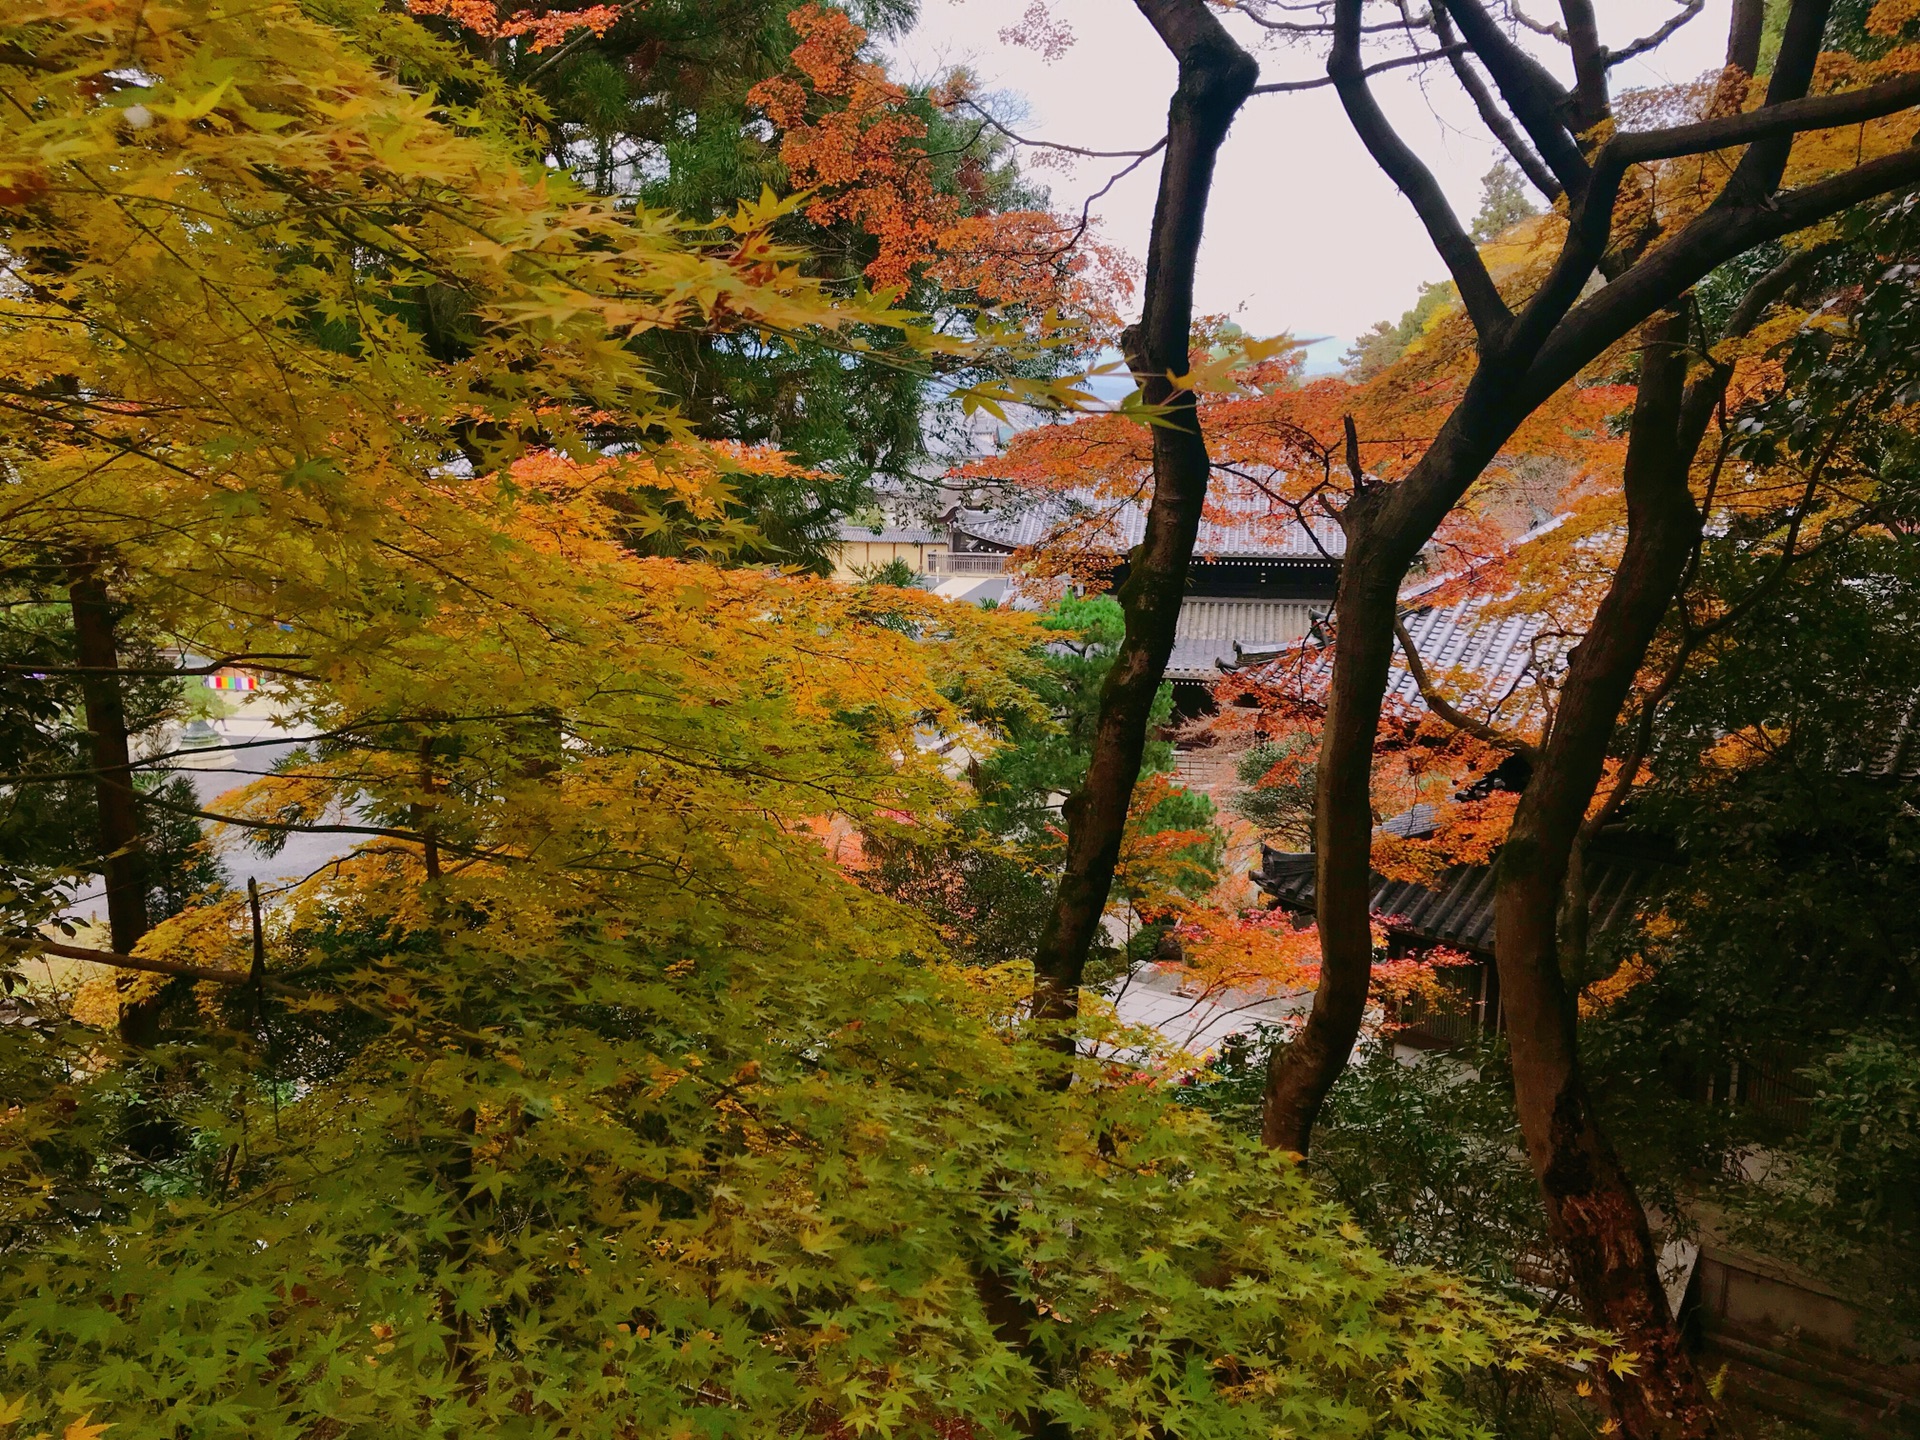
[(1788, 1345)]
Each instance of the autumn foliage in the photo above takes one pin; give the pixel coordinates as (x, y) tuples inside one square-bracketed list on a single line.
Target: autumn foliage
[(854, 141), (542, 29), (579, 1090)]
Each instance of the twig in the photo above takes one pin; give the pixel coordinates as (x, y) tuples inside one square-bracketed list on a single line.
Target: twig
[(1690, 8), (1419, 57), (987, 117), (1446, 710)]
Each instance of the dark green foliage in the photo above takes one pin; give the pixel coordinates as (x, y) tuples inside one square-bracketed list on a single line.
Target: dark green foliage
[(1427, 1154), (896, 572), (1780, 767), (49, 829), (1423, 1150), (1276, 788), (1784, 770), (1504, 202), (1020, 786), (1388, 340), (988, 883), (657, 111), (1844, 1196)]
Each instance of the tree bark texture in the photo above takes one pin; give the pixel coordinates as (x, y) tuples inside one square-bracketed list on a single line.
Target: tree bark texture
[(1592, 1207), (123, 864), (1379, 523), (1215, 79)]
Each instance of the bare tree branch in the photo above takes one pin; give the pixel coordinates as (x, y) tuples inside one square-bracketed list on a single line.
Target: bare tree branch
[(1419, 57), (23, 945), (1446, 709), (1534, 96), (1551, 29), (1710, 240), (990, 123), (1480, 295), (212, 667), (1659, 37), (1781, 119), (1215, 78), (1496, 119)]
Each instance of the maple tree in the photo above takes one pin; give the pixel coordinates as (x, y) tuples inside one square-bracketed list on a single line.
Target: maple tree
[(1774, 754), (1779, 508), (701, 109), (1650, 201), (857, 142), (540, 28), (1642, 210), (584, 1091)]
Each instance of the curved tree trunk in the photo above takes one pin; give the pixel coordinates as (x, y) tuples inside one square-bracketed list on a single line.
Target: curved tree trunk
[(1524, 358), (1525, 355), (1592, 1207), (1215, 79), (1385, 527), (1300, 1074)]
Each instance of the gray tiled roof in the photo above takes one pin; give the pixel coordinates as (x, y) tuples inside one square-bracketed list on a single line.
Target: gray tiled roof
[(1900, 760), (889, 533), (1497, 650), (1459, 912), (1212, 632), (1118, 527)]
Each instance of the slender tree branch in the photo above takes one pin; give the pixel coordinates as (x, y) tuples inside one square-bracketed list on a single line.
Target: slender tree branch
[(1215, 78), (1447, 710), (1531, 93), (1659, 37), (1711, 239), (1552, 29), (1771, 121), (1418, 57), (1257, 15), (285, 827), (1493, 117), (1488, 311), (23, 945), (212, 667), (990, 122)]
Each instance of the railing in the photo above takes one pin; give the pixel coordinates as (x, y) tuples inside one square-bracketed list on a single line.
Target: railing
[(950, 562)]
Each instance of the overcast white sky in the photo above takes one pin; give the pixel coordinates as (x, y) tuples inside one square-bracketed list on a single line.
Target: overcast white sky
[(1304, 234)]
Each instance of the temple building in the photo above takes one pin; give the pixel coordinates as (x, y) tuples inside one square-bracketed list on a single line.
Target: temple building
[(1254, 586)]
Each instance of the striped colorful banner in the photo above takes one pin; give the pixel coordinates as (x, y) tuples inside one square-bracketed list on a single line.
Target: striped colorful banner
[(232, 680)]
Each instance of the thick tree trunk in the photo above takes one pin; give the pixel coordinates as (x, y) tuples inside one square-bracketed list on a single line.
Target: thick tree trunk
[(1300, 1074), (1385, 526), (124, 862), (1744, 27), (1524, 358), (1591, 1204), (1215, 78)]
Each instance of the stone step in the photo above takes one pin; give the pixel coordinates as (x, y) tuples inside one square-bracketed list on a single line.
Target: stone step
[(1812, 1386)]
